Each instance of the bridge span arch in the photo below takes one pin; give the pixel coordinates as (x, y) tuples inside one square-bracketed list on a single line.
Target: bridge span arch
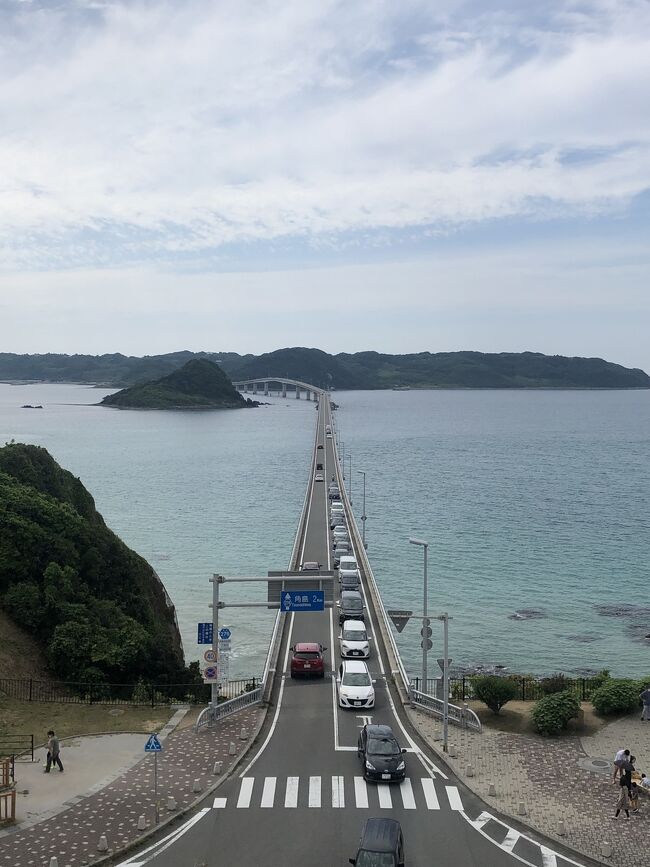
[(312, 392)]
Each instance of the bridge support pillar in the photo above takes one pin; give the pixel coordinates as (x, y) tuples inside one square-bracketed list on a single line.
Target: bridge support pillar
[(254, 388), (297, 393), (284, 389), (308, 394), (266, 389)]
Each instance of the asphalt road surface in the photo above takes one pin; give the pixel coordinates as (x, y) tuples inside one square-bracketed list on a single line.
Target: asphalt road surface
[(300, 798)]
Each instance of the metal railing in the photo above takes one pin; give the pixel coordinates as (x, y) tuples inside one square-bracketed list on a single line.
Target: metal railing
[(460, 716), (17, 746)]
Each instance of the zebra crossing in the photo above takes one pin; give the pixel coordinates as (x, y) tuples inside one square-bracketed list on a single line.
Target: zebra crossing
[(316, 792)]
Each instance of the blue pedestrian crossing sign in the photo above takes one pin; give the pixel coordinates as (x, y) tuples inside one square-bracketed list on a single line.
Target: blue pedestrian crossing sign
[(302, 600), (153, 745)]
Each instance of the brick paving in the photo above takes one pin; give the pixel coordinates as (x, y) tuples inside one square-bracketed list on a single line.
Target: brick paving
[(546, 776), (72, 835)]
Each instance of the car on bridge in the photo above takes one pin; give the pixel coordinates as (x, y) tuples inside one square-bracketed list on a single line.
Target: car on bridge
[(382, 758), (351, 606), (355, 685), (310, 566), (350, 581), (337, 521), (318, 477), (307, 660), (353, 640), (382, 844), (349, 567)]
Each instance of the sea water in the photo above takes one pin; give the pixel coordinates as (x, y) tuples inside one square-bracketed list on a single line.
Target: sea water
[(531, 501)]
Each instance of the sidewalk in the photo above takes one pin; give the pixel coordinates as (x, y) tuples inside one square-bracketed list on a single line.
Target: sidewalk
[(71, 829), (556, 781)]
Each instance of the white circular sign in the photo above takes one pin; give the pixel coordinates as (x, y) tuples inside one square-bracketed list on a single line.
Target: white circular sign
[(210, 656)]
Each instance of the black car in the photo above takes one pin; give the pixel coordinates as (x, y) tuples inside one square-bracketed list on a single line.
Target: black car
[(381, 845), (351, 606), (337, 521), (350, 582), (381, 757)]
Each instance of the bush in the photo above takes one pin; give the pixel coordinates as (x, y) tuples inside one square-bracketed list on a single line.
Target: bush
[(598, 680), (555, 683), (552, 713), (495, 691), (616, 696)]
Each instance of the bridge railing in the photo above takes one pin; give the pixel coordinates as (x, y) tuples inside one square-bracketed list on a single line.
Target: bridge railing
[(457, 715)]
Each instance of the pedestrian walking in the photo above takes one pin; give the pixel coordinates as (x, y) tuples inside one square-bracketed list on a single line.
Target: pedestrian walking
[(53, 753), (645, 698), (634, 798), (627, 767), (623, 802), (621, 756)]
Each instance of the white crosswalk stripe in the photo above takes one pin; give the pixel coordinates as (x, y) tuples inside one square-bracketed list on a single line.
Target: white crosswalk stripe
[(413, 794)]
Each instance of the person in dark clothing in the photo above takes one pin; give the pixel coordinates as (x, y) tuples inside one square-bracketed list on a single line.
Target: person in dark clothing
[(53, 752), (623, 802), (626, 772)]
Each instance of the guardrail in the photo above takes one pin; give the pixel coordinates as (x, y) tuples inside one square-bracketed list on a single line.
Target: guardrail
[(457, 715), (17, 747), (460, 716), (212, 714)]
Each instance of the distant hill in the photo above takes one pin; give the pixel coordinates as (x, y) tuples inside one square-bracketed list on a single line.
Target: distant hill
[(367, 370), (97, 610), (199, 384)]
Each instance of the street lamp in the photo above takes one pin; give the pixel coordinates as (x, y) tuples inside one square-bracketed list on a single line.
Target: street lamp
[(363, 510), (350, 474), (343, 457), (425, 620), (445, 679)]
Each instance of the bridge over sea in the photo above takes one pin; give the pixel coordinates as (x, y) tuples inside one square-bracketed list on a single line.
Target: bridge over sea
[(282, 385), (300, 796)]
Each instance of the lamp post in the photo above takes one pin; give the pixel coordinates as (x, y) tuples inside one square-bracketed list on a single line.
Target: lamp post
[(425, 620), (343, 457), (363, 510), (445, 679)]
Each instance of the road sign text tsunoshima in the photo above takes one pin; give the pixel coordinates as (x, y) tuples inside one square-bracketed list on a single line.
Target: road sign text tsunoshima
[(302, 600)]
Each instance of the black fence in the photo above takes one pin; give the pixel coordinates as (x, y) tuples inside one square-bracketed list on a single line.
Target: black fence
[(12, 746), (462, 688), (150, 694)]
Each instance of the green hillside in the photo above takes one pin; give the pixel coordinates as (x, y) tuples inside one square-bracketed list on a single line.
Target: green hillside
[(96, 608), (199, 384)]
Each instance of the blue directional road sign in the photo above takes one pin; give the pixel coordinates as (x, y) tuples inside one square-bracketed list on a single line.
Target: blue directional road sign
[(225, 633), (302, 600), (153, 745), (204, 635)]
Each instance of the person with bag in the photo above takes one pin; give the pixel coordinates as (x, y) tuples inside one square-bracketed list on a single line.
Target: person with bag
[(53, 752)]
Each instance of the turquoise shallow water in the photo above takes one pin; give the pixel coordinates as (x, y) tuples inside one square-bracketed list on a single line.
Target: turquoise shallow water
[(529, 500)]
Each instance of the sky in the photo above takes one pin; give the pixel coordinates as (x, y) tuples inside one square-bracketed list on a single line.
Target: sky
[(245, 175)]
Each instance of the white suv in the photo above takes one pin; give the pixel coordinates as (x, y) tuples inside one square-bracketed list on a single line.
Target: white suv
[(355, 685)]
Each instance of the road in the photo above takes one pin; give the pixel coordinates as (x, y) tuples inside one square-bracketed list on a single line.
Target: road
[(300, 799)]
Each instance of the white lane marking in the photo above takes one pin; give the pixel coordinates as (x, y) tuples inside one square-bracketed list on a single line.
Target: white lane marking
[(268, 792), (338, 792), (360, 792), (430, 795), (165, 843), (549, 858), (291, 793), (278, 708), (484, 818), (408, 798), (219, 803), (454, 798), (314, 791), (385, 800), (245, 792), (510, 840)]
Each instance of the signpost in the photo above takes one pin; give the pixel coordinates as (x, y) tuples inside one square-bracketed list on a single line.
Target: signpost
[(302, 600), (204, 633), (400, 617), (154, 746)]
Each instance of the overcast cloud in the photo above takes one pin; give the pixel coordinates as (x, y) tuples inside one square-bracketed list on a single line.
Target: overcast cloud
[(367, 175)]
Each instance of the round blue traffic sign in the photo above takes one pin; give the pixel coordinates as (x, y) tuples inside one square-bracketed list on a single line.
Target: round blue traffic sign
[(225, 633)]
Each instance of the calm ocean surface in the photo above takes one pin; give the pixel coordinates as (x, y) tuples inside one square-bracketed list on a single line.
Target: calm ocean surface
[(529, 500)]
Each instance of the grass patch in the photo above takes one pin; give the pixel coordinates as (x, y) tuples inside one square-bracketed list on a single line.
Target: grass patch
[(30, 717)]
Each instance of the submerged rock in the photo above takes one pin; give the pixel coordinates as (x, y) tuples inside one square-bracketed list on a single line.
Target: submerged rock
[(527, 614), (622, 609), (581, 639)]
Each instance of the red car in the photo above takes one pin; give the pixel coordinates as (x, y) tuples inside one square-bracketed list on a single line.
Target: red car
[(307, 660)]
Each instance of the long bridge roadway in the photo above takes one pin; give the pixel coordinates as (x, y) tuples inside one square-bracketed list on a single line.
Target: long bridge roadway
[(299, 797)]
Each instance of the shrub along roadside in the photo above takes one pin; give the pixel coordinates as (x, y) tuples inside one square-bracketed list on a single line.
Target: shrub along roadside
[(552, 713), (495, 691), (617, 696)]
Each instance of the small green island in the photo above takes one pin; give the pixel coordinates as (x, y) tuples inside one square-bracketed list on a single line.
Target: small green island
[(199, 384)]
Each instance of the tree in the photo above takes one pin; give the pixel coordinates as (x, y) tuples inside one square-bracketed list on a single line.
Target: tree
[(495, 691)]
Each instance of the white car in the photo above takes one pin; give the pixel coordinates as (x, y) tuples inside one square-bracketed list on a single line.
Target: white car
[(336, 508), (318, 477), (353, 640), (349, 568), (355, 685), (340, 533)]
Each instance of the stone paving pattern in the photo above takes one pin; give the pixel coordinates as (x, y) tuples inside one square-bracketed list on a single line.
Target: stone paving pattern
[(72, 835), (544, 774)]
